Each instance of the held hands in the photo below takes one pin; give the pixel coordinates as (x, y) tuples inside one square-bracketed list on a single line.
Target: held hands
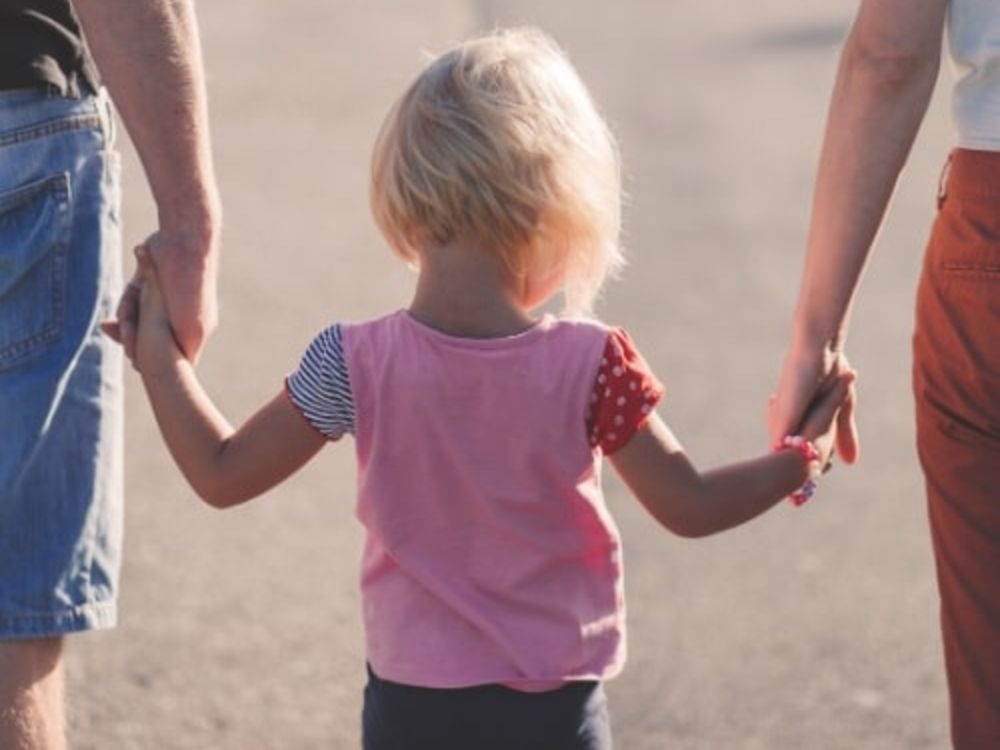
[(821, 424), (818, 432), (146, 332), (805, 385), (186, 261)]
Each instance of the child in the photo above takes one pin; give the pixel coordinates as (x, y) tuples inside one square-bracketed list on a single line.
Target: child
[(491, 577)]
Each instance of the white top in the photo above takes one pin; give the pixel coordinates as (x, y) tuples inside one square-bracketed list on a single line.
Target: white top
[(974, 39)]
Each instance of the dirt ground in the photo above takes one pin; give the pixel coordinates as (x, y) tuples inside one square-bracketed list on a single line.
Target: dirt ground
[(809, 628)]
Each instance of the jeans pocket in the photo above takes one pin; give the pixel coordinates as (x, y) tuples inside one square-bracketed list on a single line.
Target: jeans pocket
[(35, 225)]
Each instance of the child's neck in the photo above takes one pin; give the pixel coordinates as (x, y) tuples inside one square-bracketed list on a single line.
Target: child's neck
[(465, 291)]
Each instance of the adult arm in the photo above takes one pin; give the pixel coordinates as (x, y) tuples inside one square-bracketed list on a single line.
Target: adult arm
[(886, 75), (149, 55)]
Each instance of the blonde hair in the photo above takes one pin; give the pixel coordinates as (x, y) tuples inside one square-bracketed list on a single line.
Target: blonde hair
[(498, 141)]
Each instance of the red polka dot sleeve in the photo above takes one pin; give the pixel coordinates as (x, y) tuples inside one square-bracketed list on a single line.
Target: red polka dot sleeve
[(625, 394)]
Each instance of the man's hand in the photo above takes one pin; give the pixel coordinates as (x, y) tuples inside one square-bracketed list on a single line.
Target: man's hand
[(187, 272)]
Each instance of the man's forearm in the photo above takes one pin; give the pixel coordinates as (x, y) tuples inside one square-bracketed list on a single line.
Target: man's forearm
[(878, 102), (149, 55)]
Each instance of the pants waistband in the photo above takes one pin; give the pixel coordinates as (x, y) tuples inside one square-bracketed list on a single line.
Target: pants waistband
[(972, 174), (25, 111)]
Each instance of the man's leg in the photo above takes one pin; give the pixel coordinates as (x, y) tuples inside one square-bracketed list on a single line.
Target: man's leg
[(60, 399), (31, 695)]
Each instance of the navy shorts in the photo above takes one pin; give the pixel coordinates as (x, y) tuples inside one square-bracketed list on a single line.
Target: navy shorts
[(485, 717)]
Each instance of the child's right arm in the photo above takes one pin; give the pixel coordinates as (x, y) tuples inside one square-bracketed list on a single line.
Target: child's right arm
[(692, 503), (225, 466)]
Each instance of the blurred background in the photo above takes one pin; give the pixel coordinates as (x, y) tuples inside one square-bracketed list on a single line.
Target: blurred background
[(808, 628)]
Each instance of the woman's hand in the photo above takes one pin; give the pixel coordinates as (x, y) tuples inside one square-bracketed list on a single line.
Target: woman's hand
[(802, 402), (830, 410)]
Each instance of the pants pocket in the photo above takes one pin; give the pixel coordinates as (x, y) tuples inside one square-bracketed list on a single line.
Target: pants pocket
[(35, 226)]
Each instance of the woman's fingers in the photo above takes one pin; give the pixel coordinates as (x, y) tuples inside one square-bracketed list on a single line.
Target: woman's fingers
[(824, 409), (848, 445)]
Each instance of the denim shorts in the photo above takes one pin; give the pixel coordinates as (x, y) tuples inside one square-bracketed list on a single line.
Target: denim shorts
[(485, 717), (60, 378)]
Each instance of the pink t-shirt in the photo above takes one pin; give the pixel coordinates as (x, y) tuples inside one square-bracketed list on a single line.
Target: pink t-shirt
[(490, 556)]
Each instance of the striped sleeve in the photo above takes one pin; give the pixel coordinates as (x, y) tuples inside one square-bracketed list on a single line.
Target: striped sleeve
[(321, 387)]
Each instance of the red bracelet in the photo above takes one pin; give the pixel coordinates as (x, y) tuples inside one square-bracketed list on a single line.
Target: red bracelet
[(808, 451)]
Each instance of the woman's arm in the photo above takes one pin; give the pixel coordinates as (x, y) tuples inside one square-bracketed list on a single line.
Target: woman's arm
[(885, 79), (225, 466), (694, 504)]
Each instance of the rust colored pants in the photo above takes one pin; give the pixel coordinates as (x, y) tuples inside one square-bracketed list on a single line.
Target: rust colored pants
[(956, 380)]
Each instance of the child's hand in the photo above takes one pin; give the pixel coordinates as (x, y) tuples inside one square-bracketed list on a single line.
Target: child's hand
[(820, 422), (155, 345), (121, 328)]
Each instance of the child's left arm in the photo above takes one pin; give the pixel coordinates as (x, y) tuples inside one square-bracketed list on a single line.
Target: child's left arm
[(695, 503), (225, 466)]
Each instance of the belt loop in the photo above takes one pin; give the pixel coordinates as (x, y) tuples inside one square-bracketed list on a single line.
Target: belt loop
[(106, 111), (942, 191)]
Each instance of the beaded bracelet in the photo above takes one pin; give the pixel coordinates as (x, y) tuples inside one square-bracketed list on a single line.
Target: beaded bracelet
[(808, 451)]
